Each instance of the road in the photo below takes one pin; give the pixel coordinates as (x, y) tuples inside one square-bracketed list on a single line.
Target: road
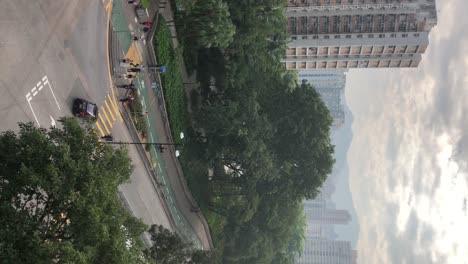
[(55, 51)]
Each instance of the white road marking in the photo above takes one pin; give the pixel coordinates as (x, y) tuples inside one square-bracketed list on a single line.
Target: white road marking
[(164, 181), (159, 169), (152, 138), (52, 121), (53, 94), (40, 87), (28, 98), (34, 91), (136, 20), (149, 124)]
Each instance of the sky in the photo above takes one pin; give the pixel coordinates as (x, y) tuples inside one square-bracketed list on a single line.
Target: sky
[(408, 170)]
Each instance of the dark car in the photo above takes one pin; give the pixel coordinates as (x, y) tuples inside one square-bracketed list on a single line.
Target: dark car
[(84, 108)]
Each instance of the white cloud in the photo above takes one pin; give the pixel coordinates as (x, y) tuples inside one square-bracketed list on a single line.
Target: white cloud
[(407, 160)]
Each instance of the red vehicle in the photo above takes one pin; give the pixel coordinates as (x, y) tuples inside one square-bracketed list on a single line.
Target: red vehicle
[(84, 108)]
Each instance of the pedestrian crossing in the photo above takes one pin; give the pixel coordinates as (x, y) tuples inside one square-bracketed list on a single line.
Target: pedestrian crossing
[(108, 115), (107, 5)]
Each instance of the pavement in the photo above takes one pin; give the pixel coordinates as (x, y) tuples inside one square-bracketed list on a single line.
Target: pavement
[(191, 226), (56, 51)]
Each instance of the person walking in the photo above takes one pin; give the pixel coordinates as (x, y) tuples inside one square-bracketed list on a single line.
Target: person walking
[(127, 76), (146, 23), (137, 66), (127, 100), (130, 86), (135, 38), (134, 70)]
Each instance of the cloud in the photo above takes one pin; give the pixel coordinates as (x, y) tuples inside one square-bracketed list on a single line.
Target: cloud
[(408, 158)]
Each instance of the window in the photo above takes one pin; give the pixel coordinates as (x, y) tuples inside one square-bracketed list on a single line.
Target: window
[(371, 35), (348, 36), (304, 37), (337, 36), (416, 35), (315, 37), (293, 37), (404, 35), (393, 35), (359, 36), (381, 35), (326, 37)]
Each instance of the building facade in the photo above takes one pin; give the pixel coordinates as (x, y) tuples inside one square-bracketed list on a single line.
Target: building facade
[(326, 252), (330, 84), (330, 34)]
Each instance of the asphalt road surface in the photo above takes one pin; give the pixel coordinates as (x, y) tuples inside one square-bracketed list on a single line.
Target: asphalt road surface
[(52, 52)]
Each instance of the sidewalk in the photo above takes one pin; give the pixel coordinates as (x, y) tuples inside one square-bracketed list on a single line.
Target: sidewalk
[(189, 225)]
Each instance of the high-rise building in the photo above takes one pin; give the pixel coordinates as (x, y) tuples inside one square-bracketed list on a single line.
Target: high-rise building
[(330, 84), (326, 252), (319, 212), (329, 34)]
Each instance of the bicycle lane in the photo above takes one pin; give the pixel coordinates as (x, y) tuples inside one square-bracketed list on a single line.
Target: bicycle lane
[(183, 228)]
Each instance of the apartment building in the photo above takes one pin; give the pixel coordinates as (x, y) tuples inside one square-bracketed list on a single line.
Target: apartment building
[(330, 34), (326, 252)]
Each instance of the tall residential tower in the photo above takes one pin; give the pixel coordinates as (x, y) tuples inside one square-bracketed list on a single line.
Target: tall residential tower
[(330, 34)]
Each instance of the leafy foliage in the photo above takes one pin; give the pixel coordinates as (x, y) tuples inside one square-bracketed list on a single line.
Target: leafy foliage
[(173, 85), (211, 24), (168, 248), (264, 138), (57, 199)]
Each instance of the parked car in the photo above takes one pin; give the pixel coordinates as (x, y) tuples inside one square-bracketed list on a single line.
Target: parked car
[(84, 108)]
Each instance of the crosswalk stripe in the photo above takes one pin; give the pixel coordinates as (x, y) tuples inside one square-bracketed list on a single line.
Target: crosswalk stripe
[(114, 105), (108, 5), (99, 128), (107, 117), (109, 110), (104, 124)]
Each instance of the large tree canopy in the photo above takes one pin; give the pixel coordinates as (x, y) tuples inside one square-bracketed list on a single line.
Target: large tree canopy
[(265, 138), (58, 198)]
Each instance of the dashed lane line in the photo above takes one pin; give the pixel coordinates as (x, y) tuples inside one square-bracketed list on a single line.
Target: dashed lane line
[(104, 124), (109, 110)]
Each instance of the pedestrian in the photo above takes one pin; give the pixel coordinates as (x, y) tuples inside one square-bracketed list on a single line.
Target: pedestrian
[(125, 65), (146, 23), (125, 60), (133, 70), (127, 100), (135, 38), (137, 66), (145, 29), (161, 148), (127, 76), (130, 86)]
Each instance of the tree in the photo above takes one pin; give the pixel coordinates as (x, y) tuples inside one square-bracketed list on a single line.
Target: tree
[(58, 198), (210, 24), (168, 248)]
